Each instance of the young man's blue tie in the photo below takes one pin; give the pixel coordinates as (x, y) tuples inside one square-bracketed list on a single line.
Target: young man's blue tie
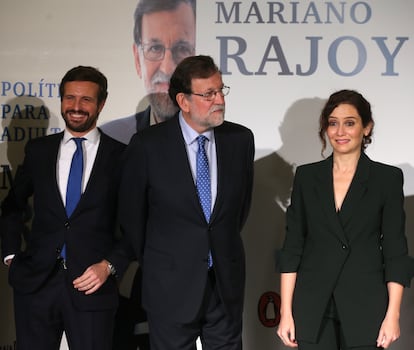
[(203, 183), (74, 187)]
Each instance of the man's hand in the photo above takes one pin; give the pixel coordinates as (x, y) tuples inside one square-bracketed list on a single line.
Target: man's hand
[(93, 278)]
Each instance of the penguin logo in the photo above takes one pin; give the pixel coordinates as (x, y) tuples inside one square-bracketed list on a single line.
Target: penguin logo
[(269, 309)]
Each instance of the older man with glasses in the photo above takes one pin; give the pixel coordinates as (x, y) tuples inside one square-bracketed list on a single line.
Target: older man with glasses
[(184, 198)]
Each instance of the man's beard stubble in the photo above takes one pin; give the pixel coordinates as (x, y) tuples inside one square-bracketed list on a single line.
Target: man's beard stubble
[(84, 126), (162, 106)]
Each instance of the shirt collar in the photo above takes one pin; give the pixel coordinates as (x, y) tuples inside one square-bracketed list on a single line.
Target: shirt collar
[(92, 136), (189, 134)]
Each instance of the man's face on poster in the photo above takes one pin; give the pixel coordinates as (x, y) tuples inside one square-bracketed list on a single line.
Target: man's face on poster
[(167, 38)]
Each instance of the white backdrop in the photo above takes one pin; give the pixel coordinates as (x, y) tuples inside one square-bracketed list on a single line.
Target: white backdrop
[(282, 59)]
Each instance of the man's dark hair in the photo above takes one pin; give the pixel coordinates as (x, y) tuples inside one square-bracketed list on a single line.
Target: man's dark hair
[(193, 67), (150, 6), (86, 73)]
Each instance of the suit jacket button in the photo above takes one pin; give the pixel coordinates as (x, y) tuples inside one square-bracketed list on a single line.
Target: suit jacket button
[(67, 225), (344, 247)]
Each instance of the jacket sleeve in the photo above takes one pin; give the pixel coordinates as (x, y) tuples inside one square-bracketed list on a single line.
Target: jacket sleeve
[(292, 249), (250, 176), (15, 210), (122, 252), (398, 265), (132, 207)]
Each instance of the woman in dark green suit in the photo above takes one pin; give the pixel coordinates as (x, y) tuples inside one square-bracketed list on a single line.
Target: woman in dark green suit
[(344, 263)]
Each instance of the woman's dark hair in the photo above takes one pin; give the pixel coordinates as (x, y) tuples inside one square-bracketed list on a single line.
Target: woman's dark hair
[(353, 98), (86, 73), (193, 67)]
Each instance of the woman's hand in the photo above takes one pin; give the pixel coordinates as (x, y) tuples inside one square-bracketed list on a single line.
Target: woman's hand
[(390, 327), (286, 331), (389, 332)]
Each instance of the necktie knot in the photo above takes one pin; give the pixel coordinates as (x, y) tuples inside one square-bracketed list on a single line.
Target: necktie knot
[(78, 141), (201, 141)]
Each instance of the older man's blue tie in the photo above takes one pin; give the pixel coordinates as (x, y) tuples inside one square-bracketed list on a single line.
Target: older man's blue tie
[(74, 187), (203, 184)]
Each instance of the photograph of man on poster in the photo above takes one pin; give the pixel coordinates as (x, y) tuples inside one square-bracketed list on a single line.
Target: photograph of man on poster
[(164, 34)]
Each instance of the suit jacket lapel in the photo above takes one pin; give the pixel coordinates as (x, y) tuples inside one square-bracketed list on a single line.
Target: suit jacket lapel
[(224, 152), (101, 157), (324, 191), (176, 146), (356, 191), (221, 153), (50, 157)]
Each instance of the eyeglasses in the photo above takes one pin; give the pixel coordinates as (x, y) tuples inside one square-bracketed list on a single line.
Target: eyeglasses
[(211, 95), (156, 51)]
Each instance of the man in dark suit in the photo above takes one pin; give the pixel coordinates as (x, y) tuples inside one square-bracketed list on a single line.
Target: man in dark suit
[(64, 279), (188, 240)]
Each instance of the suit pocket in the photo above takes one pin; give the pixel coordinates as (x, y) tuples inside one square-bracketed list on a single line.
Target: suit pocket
[(21, 276)]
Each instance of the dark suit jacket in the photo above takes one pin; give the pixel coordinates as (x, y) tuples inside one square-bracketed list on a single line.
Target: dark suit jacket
[(161, 214), (88, 233), (349, 255)]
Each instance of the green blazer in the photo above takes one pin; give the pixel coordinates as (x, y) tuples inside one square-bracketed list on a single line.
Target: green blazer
[(349, 255)]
